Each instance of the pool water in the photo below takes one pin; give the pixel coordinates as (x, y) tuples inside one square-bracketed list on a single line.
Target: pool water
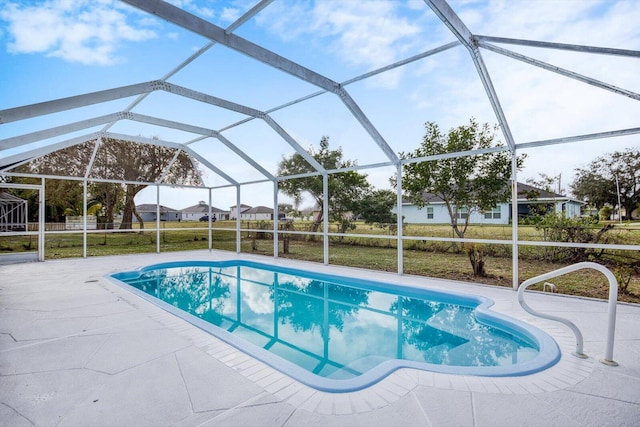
[(343, 328)]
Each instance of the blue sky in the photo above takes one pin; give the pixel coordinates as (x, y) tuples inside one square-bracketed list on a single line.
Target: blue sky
[(53, 49)]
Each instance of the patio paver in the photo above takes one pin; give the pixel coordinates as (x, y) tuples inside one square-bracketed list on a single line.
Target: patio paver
[(76, 349)]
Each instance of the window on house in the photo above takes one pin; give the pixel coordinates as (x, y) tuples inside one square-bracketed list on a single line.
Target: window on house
[(429, 213), (493, 213), (461, 213)]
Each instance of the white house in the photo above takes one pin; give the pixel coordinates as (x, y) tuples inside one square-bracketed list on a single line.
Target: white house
[(233, 211), (195, 212), (435, 211), (149, 212), (257, 213)]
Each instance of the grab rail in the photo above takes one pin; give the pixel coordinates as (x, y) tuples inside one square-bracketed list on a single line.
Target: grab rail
[(613, 300)]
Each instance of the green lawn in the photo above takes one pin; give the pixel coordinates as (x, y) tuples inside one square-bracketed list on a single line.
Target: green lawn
[(427, 258)]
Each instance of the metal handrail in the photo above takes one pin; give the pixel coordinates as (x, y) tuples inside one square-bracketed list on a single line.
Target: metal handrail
[(613, 300)]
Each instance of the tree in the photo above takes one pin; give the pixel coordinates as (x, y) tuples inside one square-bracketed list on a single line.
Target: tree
[(596, 183), (132, 161), (285, 208), (465, 184), (548, 183), (345, 188), (111, 198), (119, 160), (375, 207), (303, 306)]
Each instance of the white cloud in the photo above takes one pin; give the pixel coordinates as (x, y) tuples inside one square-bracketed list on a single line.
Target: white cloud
[(193, 7), (88, 32), (359, 33), (230, 14)]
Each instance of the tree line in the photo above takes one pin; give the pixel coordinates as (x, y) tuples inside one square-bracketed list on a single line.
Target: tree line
[(108, 159), (475, 183)]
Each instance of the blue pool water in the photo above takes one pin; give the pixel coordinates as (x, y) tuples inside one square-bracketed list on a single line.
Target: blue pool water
[(340, 334)]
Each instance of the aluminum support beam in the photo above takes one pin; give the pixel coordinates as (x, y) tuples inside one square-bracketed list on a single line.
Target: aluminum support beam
[(168, 167), (561, 46), (210, 165), (201, 131), (210, 99), (325, 218), (183, 64), (17, 159), (178, 90), (245, 157), (63, 104), (210, 231), (206, 29), (515, 252), (352, 80), (355, 110), (493, 96), (113, 181), (562, 71), (177, 146), (586, 137), (293, 143), (29, 138), (244, 18), (275, 219), (442, 9), (92, 160), (158, 219), (399, 219), (41, 219), (454, 155), (238, 236), (20, 186), (401, 63), (84, 218)]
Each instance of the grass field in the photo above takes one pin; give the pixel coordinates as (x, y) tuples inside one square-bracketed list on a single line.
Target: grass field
[(427, 258)]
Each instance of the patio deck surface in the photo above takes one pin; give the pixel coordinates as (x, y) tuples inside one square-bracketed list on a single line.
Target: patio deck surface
[(78, 350)]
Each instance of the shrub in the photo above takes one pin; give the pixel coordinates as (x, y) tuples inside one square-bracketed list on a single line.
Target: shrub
[(556, 227)]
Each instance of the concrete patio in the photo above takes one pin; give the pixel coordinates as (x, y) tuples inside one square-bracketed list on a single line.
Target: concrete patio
[(78, 350)]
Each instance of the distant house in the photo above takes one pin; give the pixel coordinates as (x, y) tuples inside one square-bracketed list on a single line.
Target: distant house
[(257, 213), (195, 212), (149, 212), (435, 211), (310, 214), (233, 211)]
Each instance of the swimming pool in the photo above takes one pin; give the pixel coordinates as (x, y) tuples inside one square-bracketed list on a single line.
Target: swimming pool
[(341, 334)]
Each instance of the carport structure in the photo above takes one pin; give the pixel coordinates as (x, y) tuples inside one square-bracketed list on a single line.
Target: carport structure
[(23, 146)]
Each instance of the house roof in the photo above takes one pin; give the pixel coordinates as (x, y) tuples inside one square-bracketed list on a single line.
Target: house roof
[(6, 197), (525, 192), (200, 208), (153, 208), (525, 189), (259, 210), (243, 207)]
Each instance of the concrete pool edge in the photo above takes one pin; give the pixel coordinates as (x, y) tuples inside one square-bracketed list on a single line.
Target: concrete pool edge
[(147, 351), (567, 373), (549, 355)]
